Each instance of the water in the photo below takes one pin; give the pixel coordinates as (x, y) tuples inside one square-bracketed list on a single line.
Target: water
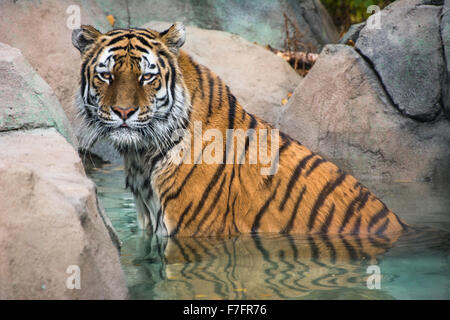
[(268, 266)]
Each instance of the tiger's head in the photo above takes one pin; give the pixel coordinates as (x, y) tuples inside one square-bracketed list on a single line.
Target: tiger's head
[(131, 88)]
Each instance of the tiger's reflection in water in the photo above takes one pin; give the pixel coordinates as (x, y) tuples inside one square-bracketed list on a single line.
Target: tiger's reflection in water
[(258, 266)]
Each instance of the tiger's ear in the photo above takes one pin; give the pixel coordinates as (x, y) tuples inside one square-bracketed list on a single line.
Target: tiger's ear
[(84, 37), (174, 37)]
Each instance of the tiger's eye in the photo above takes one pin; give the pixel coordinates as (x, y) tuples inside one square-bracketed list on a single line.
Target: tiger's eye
[(147, 76), (106, 75)]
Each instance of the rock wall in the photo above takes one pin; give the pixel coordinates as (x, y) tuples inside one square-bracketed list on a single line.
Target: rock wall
[(27, 101), (39, 30), (261, 21), (379, 110), (50, 218), (407, 54)]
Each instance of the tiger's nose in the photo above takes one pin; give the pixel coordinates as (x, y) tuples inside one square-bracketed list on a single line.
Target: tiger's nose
[(124, 113)]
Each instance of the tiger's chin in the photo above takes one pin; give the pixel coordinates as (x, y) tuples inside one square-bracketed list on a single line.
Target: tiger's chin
[(125, 138)]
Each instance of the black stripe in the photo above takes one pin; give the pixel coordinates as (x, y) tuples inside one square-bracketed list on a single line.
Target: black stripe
[(146, 35), (351, 208), (364, 199), (378, 244), (161, 62), (294, 178), (383, 227), (263, 209), (211, 92), (404, 226), (314, 248), (326, 191), (234, 215), (172, 80), (143, 41), (199, 75), (327, 223), (330, 246), (315, 164), (377, 217), (205, 194), (83, 77), (351, 250), (252, 125), (232, 110), (166, 77), (141, 49), (225, 215), (156, 159), (285, 145), (164, 53), (213, 204), (116, 32), (290, 223), (356, 226), (119, 48), (115, 40), (176, 194), (219, 87), (180, 221)]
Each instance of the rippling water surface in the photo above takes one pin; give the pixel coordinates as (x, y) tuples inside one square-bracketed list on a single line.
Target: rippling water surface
[(267, 266)]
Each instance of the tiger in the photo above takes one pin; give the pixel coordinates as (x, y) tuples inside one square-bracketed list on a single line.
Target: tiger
[(149, 98)]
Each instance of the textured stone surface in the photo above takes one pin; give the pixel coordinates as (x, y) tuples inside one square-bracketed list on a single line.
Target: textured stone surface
[(341, 111), (26, 100), (50, 220), (257, 20), (445, 35), (407, 54), (39, 29), (352, 33)]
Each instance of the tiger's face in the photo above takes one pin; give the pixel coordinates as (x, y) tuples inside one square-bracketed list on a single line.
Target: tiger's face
[(131, 90)]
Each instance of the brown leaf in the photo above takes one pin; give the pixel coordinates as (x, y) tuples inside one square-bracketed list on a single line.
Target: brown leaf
[(111, 20)]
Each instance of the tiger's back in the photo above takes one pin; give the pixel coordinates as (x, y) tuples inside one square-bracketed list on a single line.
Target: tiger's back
[(307, 194)]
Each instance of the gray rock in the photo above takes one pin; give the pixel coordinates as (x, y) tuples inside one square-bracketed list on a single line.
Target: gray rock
[(352, 33), (407, 55), (26, 100), (341, 111), (445, 35), (50, 220), (261, 21)]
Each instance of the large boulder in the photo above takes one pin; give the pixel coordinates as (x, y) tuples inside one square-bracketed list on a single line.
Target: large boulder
[(26, 100), (406, 52), (342, 111), (49, 221), (261, 21)]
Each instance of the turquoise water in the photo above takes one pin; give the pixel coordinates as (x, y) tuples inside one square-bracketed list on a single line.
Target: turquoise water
[(267, 266)]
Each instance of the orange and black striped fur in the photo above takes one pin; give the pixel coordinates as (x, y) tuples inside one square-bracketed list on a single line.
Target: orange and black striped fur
[(138, 89)]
